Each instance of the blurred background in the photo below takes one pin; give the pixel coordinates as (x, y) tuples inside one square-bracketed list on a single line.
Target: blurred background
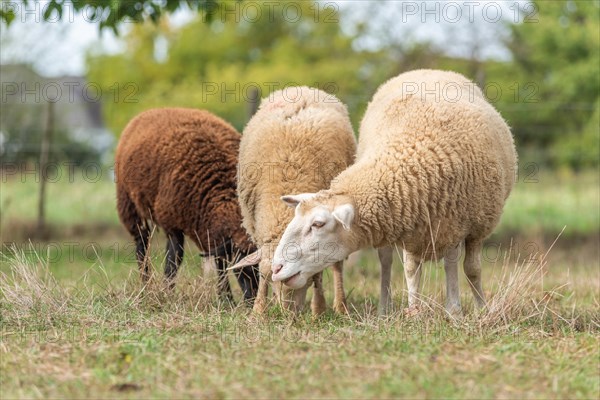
[(73, 320), (74, 73)]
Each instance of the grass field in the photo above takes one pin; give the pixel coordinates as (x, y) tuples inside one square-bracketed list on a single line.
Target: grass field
[(541, 203), (76, 323)]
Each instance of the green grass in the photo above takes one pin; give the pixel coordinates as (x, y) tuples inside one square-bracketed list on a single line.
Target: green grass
[(543, 204), (74, 321), (76, 198)]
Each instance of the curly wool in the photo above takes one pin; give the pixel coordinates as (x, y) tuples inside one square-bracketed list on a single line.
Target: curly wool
[(435, 164), (298, 141), (176, 167)]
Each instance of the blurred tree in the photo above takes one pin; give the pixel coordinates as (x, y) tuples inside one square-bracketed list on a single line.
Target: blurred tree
[(217, 65), (547, 92), (582, 149), (558, 53)]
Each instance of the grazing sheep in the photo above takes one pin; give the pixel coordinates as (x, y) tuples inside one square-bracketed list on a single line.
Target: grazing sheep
[(299, 139), (176, 168), (435, 164)]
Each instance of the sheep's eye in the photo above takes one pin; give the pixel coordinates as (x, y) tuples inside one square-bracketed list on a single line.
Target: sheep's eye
[(317, 224)]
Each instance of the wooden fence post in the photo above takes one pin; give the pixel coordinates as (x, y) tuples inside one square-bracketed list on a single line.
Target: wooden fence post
[(44, 159)]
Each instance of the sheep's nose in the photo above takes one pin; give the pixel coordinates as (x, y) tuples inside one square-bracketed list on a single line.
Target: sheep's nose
[(276, 268)]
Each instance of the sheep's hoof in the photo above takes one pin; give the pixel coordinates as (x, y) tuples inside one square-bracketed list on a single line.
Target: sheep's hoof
[(318, 310), (411, 311), (260, 307), (225, 302), (385, 308), (316, 314), (480, 310), (383, 312), (454, 312), (341, 308)]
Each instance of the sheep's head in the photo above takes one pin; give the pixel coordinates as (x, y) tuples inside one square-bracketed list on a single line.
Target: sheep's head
[(291, 298), (319, 235)]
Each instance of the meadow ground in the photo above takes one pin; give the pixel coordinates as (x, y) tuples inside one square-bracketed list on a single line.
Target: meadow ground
[(75, 321)]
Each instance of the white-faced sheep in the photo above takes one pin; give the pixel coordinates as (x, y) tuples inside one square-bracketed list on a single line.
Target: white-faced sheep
[(435, 164), (299, 139), (176, 168)]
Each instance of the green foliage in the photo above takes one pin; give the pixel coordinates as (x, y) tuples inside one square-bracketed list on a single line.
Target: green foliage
[(550, 90), (216, 65), (111, 13), (581, 149), (559, 54)]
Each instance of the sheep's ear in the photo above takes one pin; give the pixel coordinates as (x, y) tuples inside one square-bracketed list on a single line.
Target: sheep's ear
[(344, 214), (250, 259), (294, 200)]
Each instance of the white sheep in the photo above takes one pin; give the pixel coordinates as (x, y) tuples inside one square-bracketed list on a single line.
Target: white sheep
[(435, 164), (299, 139)]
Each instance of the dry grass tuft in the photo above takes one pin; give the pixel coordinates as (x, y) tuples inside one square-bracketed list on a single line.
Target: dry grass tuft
[(519, 295), (516, 297), (30, 292), (30, 286)]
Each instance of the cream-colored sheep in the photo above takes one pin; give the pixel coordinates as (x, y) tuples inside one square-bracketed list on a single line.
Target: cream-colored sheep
[(435, 164), (299, 139)]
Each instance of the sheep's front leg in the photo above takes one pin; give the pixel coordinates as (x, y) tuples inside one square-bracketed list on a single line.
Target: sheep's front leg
[(248, 279), (385, 259), (318, 303), (412, 272), (223, 281), (291, 299), (260, 303), (472, 267), (339, 296), (452, 291)]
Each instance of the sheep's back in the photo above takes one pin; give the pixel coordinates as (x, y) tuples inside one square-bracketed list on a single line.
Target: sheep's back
[(449, 157), (174, 163)]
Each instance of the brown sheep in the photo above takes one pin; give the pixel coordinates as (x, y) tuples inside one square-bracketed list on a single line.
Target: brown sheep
[(176, 169)]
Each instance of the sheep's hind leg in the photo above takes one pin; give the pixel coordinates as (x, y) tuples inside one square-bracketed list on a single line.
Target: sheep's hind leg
[(174, 256), (452, 291), (141, 237), (472, 267), (137, 228), (339, 296), (386, 257), (412, 272)]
